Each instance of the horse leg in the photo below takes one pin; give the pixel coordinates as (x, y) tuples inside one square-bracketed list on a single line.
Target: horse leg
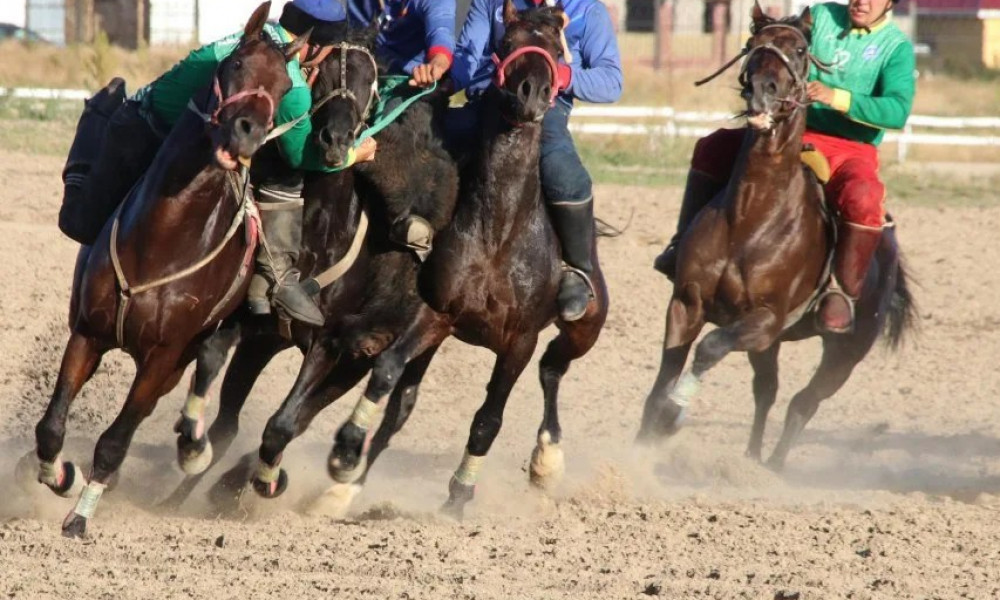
[(765, 390), (322, 380), (249, 360), (840, 357), (194, 449), (80, 360), (155, 377), (337, 499), (486, 424), (665, 406), (353, 439)]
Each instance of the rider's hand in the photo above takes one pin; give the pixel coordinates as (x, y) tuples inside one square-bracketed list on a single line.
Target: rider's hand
[(366, 151), (818, 92), (425, 75)]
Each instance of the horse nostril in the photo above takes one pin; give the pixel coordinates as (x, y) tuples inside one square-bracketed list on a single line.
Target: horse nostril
[(546, 90), (771, 87), (524, 90), (244, 126), (325, 136)]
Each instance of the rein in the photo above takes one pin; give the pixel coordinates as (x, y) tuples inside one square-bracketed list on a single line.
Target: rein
[(748, 52), (501, 65)]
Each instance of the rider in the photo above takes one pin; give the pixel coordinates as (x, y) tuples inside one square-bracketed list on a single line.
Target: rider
[(869, 89), (415, 38), (593, 75), (111, 162)]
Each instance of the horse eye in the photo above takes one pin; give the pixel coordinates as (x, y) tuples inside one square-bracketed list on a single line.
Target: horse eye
[(801, 51), (237, 64)]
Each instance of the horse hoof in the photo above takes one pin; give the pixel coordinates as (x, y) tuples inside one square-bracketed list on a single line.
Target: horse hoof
[(336, 501), (776, 465), (75, 526), (459, 495), (271, 489), (195, 462), (342, 474), (547, 465)]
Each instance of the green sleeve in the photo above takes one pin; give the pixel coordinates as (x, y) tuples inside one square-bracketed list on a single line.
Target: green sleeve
[(890, 105), (171, 92)]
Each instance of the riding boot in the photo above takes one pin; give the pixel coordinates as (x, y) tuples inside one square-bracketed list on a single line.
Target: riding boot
[(275, 277), (85, 151), (856, 244), (574, 224), (698, 192)]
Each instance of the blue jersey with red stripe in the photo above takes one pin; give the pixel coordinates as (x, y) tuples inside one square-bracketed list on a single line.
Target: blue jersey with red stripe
[(411, 32)]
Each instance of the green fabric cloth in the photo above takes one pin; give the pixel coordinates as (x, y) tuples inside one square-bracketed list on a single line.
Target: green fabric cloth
[(877, 68), (167, 97)]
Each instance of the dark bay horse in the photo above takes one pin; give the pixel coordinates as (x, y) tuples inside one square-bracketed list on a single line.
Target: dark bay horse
[(170, 265), (754, 260), (491, 279), (335, 242)]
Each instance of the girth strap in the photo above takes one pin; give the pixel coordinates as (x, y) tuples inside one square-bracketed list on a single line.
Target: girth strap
[(240, 184), (314, 284)]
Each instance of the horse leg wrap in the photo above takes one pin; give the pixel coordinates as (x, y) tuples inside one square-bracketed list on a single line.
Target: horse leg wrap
[(266, 473), (366, 413), (468, 472), (89, 498), (685, 389), (194, 410), (547, 462), (51, 473)]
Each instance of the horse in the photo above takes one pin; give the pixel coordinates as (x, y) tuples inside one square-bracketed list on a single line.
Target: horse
[(755, 260), (169, 266), (335, 249), (491, 280)]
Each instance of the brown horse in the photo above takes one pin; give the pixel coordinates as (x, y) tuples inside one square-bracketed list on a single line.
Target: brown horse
[(493, 276), (756, 258), (170, 265), (334, 236)]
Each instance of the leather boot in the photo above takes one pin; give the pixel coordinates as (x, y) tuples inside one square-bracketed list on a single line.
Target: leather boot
[(856, 244), (275, 273), (698, 192), (574, 225)]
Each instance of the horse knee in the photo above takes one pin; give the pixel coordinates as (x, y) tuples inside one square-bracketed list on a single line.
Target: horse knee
[(386, 373)]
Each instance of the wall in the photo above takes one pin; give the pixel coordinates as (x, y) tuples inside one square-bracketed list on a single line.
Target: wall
[(955, 41)]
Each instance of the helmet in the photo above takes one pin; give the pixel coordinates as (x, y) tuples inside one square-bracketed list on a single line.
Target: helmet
[(327, 18)]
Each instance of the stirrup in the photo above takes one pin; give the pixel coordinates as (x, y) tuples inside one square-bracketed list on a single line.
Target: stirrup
[(591, 290), (833, 289)]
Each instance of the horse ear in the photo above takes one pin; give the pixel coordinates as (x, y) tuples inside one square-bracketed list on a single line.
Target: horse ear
[(509, 13), (758, 17), (255, 25), (807, 20), (292, 49)]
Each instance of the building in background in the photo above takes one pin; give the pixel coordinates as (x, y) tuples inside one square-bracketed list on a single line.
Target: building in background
[(958, 34)]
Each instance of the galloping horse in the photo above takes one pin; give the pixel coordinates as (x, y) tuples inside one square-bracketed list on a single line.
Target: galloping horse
[(170, 265), (755, 260), (335, 242), (491, 279)]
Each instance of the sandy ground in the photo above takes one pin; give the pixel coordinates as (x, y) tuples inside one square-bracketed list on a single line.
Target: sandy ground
[(893, 493)]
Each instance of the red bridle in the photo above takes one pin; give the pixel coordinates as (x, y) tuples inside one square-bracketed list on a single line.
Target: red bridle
[(224, 102), (502, 65)]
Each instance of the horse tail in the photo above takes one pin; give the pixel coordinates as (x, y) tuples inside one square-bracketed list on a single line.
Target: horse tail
[(605, 229), (901, 316)]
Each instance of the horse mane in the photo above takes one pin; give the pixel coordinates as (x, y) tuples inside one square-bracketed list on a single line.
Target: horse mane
[(362, 36)]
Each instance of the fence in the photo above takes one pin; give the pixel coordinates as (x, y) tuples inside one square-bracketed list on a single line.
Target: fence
[(667, 122)]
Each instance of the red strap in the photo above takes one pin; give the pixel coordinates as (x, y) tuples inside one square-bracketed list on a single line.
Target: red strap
[(501, 75)]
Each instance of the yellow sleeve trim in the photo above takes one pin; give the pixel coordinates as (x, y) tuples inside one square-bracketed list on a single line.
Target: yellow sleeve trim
[(352, 156), (841, 100)]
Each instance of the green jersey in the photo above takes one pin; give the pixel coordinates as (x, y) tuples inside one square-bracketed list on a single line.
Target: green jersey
[(872, 75), (167, 97)]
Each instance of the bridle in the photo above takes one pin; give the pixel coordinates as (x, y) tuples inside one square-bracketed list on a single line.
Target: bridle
[(798, 99), (343, 91), (222, 102), (501, 65)]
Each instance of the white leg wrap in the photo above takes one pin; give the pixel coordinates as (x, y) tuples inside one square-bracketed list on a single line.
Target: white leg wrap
[(468, 471), (266, 473), (194, 407), (89, 498), (48, 472), (685, 389), (366, 413)]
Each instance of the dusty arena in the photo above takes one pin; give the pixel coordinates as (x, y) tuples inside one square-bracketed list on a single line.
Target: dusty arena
[(893, 492)]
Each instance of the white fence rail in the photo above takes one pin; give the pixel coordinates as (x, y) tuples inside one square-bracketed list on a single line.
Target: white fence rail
[(666, 121)]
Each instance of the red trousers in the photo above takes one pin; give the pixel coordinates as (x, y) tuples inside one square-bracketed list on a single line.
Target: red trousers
[(854, 188)]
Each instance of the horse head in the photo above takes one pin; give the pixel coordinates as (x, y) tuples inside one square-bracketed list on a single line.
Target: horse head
[(776, 68), (345, 89), (247, 87), (526, 73)]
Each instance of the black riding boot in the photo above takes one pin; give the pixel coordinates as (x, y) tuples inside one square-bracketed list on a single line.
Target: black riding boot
[(574, 224), (698, 192), (275, 277)]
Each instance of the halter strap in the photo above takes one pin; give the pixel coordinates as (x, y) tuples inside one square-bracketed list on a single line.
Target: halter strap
[(213, 117), (501, 65), (343, 91)]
